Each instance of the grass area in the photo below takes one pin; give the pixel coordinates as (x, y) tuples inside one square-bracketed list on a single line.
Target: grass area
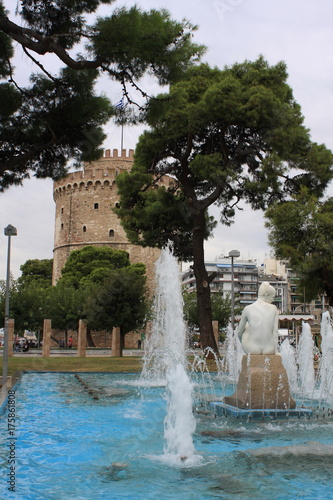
[(88, 364), (74, 364)]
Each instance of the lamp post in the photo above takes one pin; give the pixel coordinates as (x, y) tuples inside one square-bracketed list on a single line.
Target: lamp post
[(9, 231), (233, 254)]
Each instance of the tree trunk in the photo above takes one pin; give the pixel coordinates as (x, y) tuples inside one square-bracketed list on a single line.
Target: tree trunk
[(207, 338)]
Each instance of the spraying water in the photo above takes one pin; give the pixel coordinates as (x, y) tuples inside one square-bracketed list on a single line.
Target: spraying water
[(234, 354), (326, 362), (165, 358), (304, 358), (288, 359), (166, 342)]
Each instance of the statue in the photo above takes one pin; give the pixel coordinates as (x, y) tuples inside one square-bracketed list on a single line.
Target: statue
[(263, 381), (258, 327)]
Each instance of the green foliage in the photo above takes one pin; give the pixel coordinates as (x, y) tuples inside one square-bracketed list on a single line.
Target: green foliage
[(58, 117), (91, 265), (13, 287), (221, 309), (158, 215), (91, 274), (37, 272), (59, 16), (301, 231), (6, 50), (45, 126), (190, 308), (64, 305), (28, 295), (139, 41), (100, 285), (120, 302), (27, 306), (223, 136)]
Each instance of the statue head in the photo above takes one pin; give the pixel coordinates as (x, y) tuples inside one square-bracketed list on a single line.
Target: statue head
[(266, 292)]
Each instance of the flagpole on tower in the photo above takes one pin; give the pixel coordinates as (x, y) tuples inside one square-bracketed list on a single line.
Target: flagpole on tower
[(121, 106)]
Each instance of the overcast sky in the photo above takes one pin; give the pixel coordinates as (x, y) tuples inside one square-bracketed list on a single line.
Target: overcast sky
[(298, 32)]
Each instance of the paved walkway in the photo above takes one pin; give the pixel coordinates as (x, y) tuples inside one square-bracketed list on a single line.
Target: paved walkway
[(73, 352)]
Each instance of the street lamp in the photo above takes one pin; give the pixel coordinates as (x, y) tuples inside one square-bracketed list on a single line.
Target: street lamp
[(233, 254), (9, 231)]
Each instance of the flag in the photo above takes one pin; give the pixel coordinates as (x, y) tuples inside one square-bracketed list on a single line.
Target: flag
[(120, 103)]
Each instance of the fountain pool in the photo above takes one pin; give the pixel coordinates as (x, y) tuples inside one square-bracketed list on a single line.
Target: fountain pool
[(119, 436), (101, 436)]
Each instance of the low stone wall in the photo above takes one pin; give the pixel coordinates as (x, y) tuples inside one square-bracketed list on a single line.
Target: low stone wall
[(101, 339)]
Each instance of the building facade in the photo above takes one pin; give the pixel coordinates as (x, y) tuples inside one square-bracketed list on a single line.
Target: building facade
[(84, 213), (245, 279)]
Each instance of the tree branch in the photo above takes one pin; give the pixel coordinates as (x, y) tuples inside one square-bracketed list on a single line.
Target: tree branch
[(36, 42), (23, 158), (55, 80)]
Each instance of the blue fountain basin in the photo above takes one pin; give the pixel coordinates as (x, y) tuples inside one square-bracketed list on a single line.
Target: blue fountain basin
[(220, 408), (100, 436)]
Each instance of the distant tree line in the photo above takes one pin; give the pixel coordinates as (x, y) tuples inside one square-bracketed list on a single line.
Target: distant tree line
[(98, 285)]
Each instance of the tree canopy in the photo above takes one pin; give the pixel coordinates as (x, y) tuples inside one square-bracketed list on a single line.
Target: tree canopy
[(121, 302), (104, 289), (36, 271), (222, 136), (301, 231), (64, 305), (221, 309), (91, 265), (58, 116), (28, 307)]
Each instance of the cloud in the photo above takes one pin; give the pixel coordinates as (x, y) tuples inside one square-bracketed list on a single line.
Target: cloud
[(30, 208)]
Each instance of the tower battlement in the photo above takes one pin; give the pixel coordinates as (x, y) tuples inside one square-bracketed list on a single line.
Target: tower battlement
[(123, 154), (98, 174)]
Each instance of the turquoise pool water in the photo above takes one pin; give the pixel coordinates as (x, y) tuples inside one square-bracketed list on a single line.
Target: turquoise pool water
[(100, 436)]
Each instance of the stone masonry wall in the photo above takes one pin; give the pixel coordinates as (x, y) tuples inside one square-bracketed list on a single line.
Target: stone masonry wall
[(102, 340), (84, 216)]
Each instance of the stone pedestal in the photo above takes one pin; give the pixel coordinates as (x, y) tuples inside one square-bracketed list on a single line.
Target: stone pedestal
[(82, 340), (262, 384), (46, 338), (116, 350), (11, 323)]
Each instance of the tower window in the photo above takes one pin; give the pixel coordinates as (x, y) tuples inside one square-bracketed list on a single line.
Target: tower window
[(84, 229), (95, 206), (62, 227), (62, 210), (111, 233)]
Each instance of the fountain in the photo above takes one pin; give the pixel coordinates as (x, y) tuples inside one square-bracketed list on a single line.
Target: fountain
[(263, 385), (304, 359), (165, 359), (234, 354), (139, 438), (326, 363), (288, 355)]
